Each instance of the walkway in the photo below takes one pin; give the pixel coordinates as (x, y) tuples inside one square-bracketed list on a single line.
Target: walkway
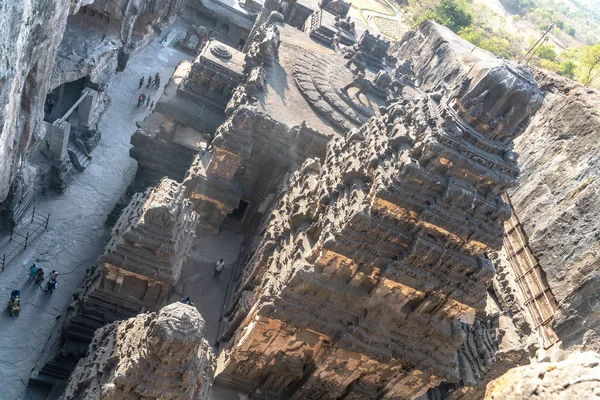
[(76, 234)]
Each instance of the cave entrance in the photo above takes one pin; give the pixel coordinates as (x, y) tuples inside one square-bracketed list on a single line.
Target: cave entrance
[(62, 98), (239, 213)]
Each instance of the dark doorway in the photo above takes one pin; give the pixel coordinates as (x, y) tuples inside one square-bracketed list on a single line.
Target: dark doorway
[(238, 213), (63, 98)]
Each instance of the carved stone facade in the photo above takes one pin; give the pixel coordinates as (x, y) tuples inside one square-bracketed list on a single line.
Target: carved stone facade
[(248, 147), (159, 355), (368, 261), (148, 246), (187, 115), (71, 47)]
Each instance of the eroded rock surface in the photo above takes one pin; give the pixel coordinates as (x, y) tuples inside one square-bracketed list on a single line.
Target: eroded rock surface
[(577, 377), (31, 31), (560, 154), (153, 356)]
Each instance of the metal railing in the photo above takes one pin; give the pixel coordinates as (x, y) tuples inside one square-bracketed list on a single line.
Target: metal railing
[(21, 236)]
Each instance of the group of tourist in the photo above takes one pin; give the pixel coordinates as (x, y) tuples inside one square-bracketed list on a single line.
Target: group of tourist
[(146, 99), (37, 274)]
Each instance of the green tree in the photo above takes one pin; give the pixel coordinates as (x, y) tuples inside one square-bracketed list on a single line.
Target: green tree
[(549, 65), (455, 15), (567, 68), (546, 52), (519, 6), (589, 64), (571, 31)]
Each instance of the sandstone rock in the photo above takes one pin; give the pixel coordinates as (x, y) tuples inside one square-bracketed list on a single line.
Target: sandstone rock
[(577, 377), (153, 356)]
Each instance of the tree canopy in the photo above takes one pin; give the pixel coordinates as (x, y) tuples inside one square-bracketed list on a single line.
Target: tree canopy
[(589, 64)]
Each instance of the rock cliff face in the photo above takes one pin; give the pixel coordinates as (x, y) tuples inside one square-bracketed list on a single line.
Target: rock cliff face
[(153, 356), (32, 31), (557, 204), (577, 377), (48, 43), (368, 261)]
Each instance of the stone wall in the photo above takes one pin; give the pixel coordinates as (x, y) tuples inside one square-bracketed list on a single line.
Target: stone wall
[(159, 355)]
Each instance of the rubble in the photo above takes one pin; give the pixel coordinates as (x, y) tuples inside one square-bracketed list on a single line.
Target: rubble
[(159, 355)]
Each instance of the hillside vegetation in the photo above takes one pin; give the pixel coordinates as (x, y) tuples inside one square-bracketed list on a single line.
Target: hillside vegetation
[(510, 28)]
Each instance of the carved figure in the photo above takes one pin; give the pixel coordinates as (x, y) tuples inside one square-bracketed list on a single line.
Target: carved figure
[(264, 46), (359, 82), (201, 32), (358, 60)]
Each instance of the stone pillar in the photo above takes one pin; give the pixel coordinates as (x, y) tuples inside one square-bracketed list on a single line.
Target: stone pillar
[(86, 109), (58, 138)]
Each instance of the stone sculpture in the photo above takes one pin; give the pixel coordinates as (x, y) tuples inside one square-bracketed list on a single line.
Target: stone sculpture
[(358, 60), (381, 83), (202, 36), (360, 82), (264, 45), (367, 262), (153, 356)]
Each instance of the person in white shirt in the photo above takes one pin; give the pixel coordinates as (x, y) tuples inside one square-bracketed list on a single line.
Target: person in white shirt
[(219, 267)]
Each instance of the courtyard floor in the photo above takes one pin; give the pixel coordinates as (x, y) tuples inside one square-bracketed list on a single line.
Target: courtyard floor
[(76, 234)]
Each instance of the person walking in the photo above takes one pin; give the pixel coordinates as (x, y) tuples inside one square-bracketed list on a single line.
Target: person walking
[(157, 83), (53, 275), (219, 267), (33, 270), (141, 82), (148, 101), (140, 99), (149, 81), (152, 106)]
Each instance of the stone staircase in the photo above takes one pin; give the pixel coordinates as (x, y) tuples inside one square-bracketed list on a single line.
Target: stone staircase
[(78, 155)]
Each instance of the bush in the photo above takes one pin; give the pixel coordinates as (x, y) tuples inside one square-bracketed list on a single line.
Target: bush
[(567, 68), (549, 65), (452, 14), (546, 52)]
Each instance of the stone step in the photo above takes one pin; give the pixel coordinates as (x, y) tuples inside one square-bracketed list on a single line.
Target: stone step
[(58, 369), (79, 158)]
